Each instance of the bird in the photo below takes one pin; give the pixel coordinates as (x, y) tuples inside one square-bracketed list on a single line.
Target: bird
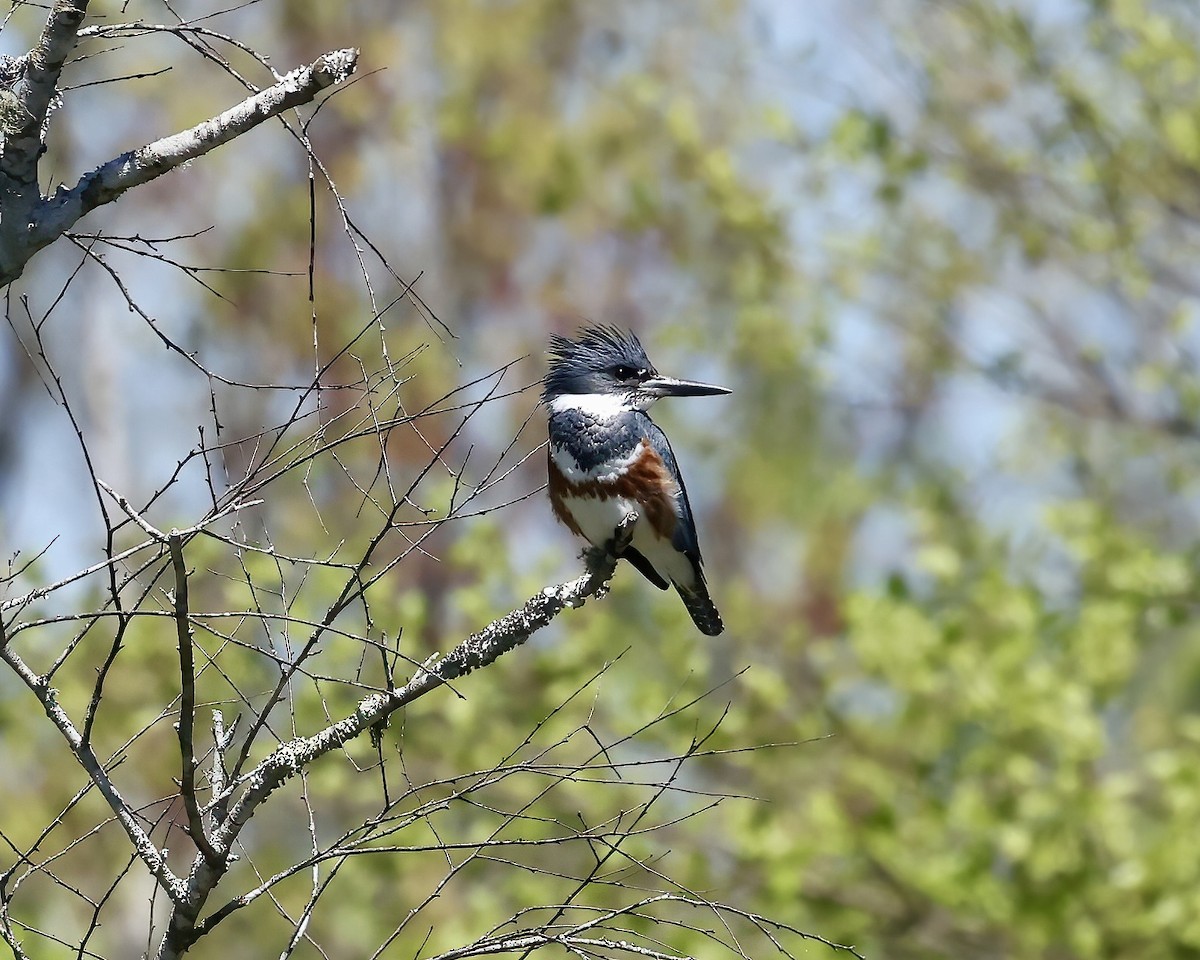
[(606, 459)]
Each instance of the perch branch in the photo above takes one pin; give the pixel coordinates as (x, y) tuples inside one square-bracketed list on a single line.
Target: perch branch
[(478, 650), (289, 759)]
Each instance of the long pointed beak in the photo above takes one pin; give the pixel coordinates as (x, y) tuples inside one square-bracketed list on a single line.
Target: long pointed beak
[(670, 387)]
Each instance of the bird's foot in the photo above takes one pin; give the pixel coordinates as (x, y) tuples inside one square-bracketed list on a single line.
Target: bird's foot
[(623, 536)]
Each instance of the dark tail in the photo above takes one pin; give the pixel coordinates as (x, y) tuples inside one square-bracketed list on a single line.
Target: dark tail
[(703, 611)]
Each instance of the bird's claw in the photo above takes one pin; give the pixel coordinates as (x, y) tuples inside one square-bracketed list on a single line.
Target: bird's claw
[(623, 536)]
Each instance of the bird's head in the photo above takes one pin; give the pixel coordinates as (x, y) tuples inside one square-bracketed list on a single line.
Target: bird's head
[(606, 367)]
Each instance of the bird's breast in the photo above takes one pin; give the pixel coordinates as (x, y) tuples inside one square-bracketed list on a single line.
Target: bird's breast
[(605, 470), (592, 501)]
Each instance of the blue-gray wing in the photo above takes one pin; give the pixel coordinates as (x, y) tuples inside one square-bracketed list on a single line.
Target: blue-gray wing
[(684, 538), (695, 596)]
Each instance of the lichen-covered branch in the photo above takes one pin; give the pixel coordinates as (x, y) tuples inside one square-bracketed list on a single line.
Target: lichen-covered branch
[(288, 759), (477, 650), (33, 82)]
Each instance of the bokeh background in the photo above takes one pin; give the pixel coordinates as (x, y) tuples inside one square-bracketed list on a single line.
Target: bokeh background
[(945, 253)]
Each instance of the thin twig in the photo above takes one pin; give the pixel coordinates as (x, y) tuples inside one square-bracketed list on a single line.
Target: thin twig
[(187, 701)]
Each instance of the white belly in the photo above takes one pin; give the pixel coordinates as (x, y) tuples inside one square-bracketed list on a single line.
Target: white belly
[(598, 520)]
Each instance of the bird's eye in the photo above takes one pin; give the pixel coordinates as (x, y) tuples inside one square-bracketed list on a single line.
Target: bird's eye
[(623, 371)]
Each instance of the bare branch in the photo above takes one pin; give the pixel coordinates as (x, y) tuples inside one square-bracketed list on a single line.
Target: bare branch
[(49, 219), (222, 738), (149, 854), (136, 167), (187, 701)]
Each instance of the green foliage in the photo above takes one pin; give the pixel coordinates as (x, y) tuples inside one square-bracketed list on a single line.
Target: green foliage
[(972, 674)]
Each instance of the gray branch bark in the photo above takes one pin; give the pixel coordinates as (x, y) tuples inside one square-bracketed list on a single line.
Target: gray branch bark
[(29, 221), (33, 83)]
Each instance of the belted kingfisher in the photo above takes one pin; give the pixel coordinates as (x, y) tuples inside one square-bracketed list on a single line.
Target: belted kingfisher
[(607, 459)]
